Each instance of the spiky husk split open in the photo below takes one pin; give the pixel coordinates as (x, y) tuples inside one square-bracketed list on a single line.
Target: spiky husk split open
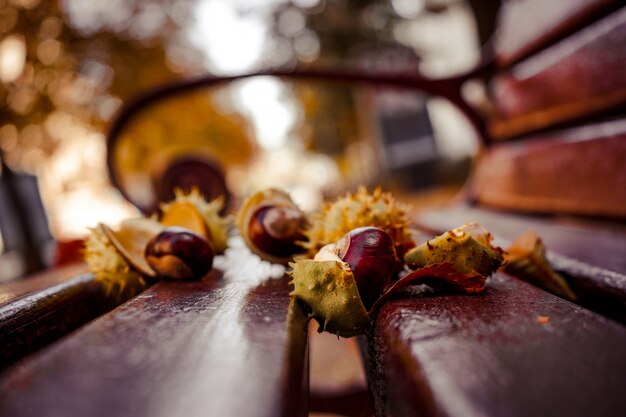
[(108, 265), (378, 209), (459, 261), (526, 259), (329, 290), (117, 257), (467, 248), (217, 224)]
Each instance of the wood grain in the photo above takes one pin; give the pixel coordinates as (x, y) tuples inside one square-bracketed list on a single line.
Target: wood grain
[(577, 171), (47, 310), (513, 351), (37, 282), (581, 75), (213, 347)]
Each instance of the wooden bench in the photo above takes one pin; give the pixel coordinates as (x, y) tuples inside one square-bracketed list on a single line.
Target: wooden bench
[(228, 347), (214, 347), (556, 163)]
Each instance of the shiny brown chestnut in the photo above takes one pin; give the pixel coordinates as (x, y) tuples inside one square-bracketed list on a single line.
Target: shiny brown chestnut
[(371, 254), (276, 230), (179, 253), (272, 225), (345, 279)]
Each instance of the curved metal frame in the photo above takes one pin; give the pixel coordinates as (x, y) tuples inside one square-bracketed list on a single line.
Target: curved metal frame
[(449, 88)]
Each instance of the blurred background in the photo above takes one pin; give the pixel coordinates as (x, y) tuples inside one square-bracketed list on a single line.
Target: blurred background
[(66, 68)]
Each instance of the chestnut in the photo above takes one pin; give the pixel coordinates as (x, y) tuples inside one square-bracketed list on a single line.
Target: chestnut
[(275, 230), (192, 211), (272, 225), (179, 253), (371, 254), (344, 279), (347, 281)]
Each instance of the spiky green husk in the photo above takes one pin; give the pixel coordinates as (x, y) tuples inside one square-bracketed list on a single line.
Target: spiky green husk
[(468, 248), (328, 288), (210, 210), (360, 209), (107, 264)]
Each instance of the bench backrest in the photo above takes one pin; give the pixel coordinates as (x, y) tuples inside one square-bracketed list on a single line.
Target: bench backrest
[(558, 147), (558, 98)]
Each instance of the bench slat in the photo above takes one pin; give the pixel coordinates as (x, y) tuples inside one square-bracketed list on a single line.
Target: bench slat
[(494, 354), (589, 253), (21, 287), (211, 347), (36, 315), (578, 171), (580, 76), (528, 25)]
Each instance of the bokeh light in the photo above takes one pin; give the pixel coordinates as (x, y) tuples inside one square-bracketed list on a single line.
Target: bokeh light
[(12, 58), (265, 100), (67, 67)]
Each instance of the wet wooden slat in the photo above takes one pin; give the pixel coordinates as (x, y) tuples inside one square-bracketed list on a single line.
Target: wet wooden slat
[(589, 253), (601, 244), (580, 76), (513, 351), (528, 25), (42, 314), (37, 282), (576, 171), (212, 347)]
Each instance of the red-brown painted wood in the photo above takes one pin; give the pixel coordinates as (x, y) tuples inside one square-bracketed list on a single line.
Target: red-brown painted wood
[(589, 253), (524, 26), (37, 282), (513, 351), (212, 347), (578, 171), (579, 76), (42, 315)]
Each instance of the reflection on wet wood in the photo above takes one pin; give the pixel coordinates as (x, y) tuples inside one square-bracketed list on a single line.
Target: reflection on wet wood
[(37, 282), (46, 307), (212, 347), (514, 351)]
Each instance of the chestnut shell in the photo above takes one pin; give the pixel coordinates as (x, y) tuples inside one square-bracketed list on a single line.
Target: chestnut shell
[(468, 248), (272, 225), (131, 239), (329, 291)]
